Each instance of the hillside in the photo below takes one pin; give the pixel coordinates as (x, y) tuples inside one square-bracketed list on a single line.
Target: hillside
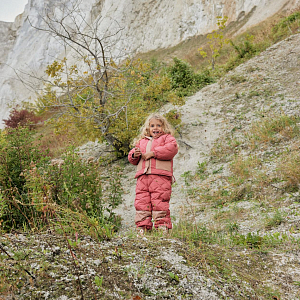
[(234, 205)]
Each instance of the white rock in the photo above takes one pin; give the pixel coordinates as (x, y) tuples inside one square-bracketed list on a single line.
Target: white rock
[(147, 26)]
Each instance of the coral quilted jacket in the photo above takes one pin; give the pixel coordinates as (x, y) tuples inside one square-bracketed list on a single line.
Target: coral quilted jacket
[(164, 148)]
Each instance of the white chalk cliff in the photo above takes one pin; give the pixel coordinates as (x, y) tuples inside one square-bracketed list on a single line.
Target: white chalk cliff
[(148, 25)]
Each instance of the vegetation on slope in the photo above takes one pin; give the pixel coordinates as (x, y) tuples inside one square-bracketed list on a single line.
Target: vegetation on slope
[(256, 164)]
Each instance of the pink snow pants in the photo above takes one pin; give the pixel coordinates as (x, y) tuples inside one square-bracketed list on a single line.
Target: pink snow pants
[(152, 199)]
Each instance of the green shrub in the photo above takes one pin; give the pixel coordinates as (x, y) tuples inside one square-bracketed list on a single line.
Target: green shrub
[(286, 26), (250, 240), (77, 186), (254, 240), (245, 49), (201, 170), (174, 118), (203, 79), (17, 152), (194, 233), (182, 74), (35, 192), (184, 80)]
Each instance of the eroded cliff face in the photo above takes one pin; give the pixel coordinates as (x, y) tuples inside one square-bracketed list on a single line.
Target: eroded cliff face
[(147, 25), (7, 39)]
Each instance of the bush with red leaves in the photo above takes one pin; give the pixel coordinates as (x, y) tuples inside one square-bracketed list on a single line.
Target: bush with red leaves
[(21, 117)]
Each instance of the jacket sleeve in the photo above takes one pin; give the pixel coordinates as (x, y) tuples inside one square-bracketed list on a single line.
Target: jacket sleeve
[(133, 160), (168, 150)]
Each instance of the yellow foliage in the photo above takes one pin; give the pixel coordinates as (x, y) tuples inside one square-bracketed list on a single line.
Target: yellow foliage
[(134, 90), (54, 69), (216, 41)]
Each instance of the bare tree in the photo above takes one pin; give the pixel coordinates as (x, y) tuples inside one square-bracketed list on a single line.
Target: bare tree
[(85, 86)]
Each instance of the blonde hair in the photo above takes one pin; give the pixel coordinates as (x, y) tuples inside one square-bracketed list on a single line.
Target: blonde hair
[(145, 129)]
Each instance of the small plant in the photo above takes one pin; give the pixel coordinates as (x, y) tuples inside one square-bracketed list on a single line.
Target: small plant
[(174, 118), (232, 227), (253, 94), (187, 176), (118, 252), (146, 291), (274, 221), (243, 167), (251, 240), (219, 170), (201, 170), (74, 244), (238, 79), (173, 277), (98, 281), (220, 151)]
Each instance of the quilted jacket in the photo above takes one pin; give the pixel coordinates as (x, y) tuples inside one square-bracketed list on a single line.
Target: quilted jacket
[(164, 149)]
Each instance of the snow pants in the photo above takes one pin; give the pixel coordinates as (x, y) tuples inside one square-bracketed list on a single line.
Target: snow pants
[(152, 199)]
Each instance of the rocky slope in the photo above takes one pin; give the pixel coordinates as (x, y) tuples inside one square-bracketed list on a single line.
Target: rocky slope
[(246, 219), (245, 238), (215, 110), (29, 51), (263, 88)]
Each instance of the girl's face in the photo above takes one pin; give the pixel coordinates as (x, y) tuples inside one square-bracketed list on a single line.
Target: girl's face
[(155, 128)]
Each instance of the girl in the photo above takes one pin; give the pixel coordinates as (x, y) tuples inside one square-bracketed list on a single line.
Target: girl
[(153, 156)]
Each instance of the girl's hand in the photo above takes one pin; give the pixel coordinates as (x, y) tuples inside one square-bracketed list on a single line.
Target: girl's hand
[(147, 155), (137, 152)]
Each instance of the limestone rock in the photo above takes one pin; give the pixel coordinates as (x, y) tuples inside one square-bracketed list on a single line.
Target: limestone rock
[(147, 25)]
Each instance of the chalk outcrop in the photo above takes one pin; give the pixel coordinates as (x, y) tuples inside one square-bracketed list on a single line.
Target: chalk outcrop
[(147, 25)]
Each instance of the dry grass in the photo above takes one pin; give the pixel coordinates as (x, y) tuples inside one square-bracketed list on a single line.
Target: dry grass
[(289, 169), (244, 168), (221, 150), (273, 129), (230, 215)]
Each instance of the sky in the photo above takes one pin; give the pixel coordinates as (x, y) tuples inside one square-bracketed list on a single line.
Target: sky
[(9, 9)]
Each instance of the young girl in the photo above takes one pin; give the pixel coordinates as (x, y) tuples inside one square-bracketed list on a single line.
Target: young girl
[(153, 156)]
